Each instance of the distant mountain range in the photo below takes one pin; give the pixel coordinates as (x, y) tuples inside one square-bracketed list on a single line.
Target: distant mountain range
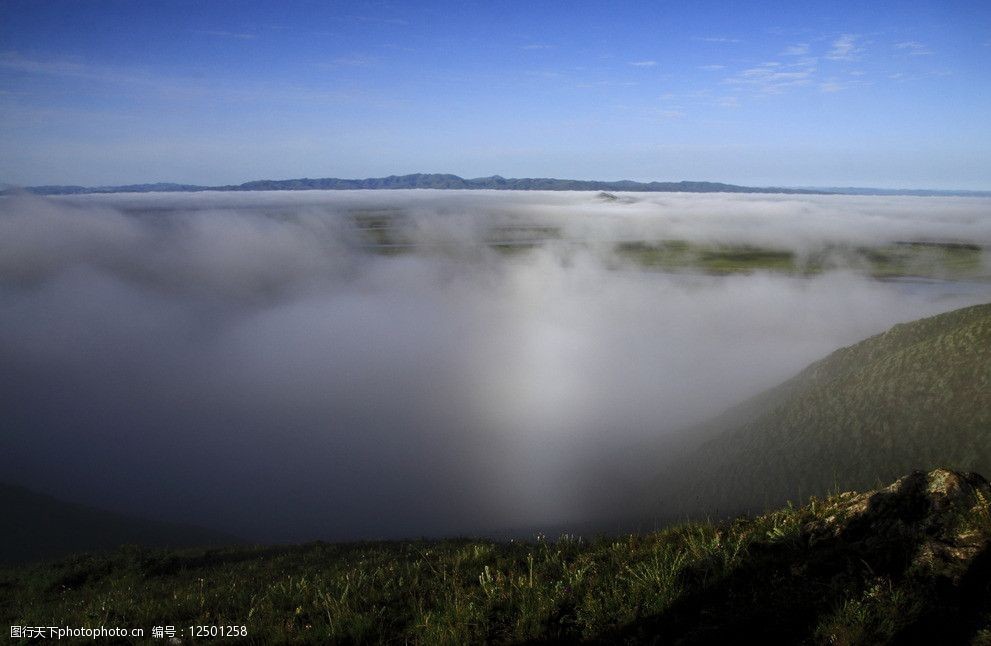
[(446, 181)]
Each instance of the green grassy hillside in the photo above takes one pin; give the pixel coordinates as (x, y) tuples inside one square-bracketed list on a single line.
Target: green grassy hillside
[(915, 397), (904, 563), (39, 526)]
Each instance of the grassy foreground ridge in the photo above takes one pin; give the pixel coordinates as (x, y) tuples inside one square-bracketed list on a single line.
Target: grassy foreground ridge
[(905, 563)]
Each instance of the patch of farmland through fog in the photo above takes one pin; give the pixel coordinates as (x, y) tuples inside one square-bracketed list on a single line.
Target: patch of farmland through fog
[(338, 365)]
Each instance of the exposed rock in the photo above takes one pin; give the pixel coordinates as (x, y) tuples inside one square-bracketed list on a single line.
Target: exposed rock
[(944, 516)]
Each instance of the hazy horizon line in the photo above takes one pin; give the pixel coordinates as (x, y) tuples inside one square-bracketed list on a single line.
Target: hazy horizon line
[(8, 188)]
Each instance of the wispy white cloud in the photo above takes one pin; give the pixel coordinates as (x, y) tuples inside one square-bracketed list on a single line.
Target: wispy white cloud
[(357, 60), (15, 62), (221, 33), (728, 102), (173, 88), (605, 83), (545, 74), (903, 76), (913, 48), (800, 49), (712, 68), (715, 39), (643, 63), (536, 46), (695, 97), (845, 48), (398, 47), (70, 68), (18, 114), (774, 77), (844, 81), (374, 19)]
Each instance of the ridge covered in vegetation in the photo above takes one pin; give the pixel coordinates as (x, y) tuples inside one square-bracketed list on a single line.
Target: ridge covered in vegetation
[(907, 562), (916, 396)]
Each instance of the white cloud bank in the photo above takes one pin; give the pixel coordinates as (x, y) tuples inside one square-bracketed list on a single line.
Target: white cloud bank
[(237, 360)]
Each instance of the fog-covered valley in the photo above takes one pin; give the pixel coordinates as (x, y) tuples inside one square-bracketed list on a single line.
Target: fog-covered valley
[(340, 365)]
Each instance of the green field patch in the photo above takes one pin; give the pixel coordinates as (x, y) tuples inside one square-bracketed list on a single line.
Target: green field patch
[(928, 259), (897, 259), (680, 254), (746, 259)]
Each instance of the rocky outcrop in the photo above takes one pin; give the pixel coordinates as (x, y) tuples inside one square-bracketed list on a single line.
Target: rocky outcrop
[(906, 563), (942, 516)]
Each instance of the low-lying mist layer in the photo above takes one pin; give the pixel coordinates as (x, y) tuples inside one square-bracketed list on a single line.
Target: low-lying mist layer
[(375, 364)]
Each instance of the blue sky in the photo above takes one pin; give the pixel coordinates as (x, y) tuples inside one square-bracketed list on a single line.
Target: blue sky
[(890, 94)]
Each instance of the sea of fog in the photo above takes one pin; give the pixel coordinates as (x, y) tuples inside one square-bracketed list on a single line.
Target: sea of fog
[(276, 365)]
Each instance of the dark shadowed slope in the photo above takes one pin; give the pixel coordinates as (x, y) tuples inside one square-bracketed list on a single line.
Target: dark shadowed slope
[(905, 564), (37, 526), (914, 397)]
